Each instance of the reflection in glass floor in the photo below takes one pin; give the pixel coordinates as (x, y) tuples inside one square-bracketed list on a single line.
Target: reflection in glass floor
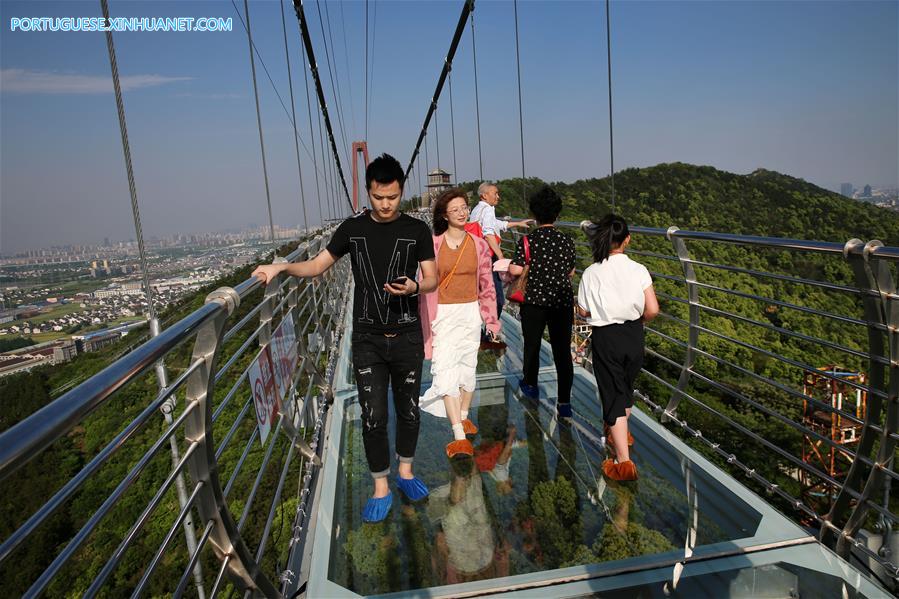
[(531, 508)]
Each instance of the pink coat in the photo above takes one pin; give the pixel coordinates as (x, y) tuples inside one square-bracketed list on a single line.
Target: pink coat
[(427, 303)]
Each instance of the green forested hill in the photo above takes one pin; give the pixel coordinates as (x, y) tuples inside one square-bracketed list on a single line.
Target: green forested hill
[(764, 203), (760, 335)]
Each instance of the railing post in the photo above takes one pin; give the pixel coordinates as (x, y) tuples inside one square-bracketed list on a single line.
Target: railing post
[(167, 408), (871, 274), (225, 539), (683, 380)]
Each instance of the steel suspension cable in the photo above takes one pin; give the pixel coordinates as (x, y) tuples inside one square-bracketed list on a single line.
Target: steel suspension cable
[(447, 65), (318, 192), (268, 198), (293, 113), (427, 170), (365, 104), (437, 137), (349, 81), (268, 75), (453, 127), (371, 76), (326, 164), (313, 67), (129, 168), (611, 135), (477, 102), (524, 182), (161, 373), (335, 86)]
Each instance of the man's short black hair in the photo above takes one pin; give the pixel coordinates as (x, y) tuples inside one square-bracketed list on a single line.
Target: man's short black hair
[(545, 205), (384, 169)]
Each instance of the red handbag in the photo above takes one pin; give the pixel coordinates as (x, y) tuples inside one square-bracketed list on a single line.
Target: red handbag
[(519, 284)]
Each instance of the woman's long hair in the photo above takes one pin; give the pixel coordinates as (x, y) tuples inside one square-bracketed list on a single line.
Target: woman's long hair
[(440, 223), (609, 232)]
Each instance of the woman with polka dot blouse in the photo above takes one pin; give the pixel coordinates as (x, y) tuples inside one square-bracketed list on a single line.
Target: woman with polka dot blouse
[(548, 299)]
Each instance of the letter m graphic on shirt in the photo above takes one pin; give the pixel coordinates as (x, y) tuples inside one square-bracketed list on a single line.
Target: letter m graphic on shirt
[(375, 300)]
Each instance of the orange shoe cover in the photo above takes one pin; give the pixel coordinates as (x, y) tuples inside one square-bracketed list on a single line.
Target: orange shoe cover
[(462, 446), (626, 470), (469, 427)]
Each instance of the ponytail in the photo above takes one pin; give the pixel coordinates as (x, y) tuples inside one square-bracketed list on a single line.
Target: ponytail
[(609, 232)]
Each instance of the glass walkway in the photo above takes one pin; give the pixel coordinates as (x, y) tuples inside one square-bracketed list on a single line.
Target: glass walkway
[(531, 513)]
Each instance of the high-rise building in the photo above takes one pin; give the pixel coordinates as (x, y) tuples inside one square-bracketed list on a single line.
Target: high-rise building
[(867, 192), (846, 189)]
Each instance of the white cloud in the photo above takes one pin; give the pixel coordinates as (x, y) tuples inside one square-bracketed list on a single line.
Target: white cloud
[(25, 81)]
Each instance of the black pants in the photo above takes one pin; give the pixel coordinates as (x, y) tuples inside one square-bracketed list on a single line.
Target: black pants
[(500, 297), (377, 361), (617, 359), (559, 320)]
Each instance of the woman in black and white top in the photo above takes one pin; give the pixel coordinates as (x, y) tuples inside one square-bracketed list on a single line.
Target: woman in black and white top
[(615, 297), (548, 299)]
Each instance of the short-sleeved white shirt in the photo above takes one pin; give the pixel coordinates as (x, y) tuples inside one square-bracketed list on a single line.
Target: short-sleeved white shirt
[(612, 290)]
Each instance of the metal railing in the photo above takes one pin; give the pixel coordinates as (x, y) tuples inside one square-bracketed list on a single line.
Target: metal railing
[(718, 368), (215, 434), (701, 376)]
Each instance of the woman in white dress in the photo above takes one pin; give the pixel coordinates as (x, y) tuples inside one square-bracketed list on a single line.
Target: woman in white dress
[(452, 317)]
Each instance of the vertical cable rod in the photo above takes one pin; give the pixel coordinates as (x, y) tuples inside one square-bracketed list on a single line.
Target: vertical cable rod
[(477, 103), (611, 135), (268, 198), (524, 183), (453, 127), (293, 113)]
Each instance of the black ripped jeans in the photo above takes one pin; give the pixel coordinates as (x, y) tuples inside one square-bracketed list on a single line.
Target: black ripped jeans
[(377, 361)]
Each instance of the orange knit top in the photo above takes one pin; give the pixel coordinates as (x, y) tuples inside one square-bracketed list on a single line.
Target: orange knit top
[(462, 288)]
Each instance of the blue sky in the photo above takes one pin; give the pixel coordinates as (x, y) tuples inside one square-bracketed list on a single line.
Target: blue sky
[(805, 88)]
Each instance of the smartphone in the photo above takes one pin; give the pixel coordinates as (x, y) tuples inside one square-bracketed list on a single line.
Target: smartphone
[(398, 282)]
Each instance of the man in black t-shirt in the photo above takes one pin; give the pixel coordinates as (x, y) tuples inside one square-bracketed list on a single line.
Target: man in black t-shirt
[(386, 249)]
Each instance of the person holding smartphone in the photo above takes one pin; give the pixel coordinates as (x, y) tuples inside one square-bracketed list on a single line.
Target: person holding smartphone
[(386, 248), (465, 298)]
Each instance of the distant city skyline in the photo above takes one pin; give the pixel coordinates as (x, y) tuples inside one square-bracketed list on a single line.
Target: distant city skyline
[(734, 85)]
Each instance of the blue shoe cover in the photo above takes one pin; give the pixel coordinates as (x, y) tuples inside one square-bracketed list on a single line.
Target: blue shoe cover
[(564, 410), (412, 488), (376, 509), (530, 391)]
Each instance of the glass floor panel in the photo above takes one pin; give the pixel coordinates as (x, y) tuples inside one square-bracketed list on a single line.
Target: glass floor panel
[(531, 507)]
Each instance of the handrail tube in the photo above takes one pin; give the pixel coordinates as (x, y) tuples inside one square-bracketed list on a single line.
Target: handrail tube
[(167, 540), (242, 323), (128, 539), (778, 416), (246, 452), (220, 576), (267, 529), (790, 457), (782, 304), (776, 384), (21, 443), (63, 494), (228, 396), (194, 558), (795, 335), (265, 460), (53, 569), (234, 426), (795, 363), (770, 487), (785, 454), (785, 278), (233, 358), (649, 254)]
